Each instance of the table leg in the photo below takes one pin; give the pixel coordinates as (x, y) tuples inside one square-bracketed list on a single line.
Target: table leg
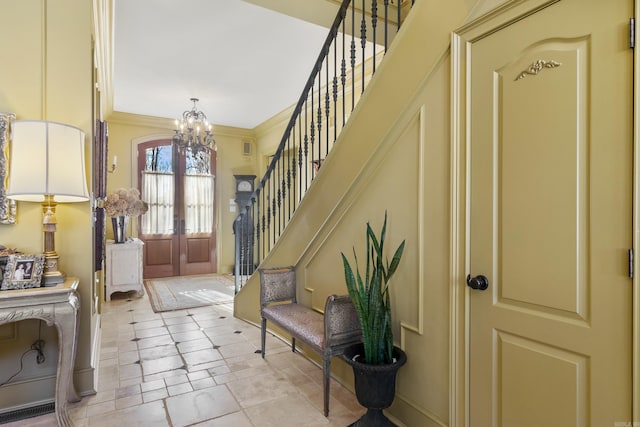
[(66, 321)]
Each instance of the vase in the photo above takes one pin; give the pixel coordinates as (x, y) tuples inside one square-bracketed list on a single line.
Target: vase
[(119, 224), (375, 385)]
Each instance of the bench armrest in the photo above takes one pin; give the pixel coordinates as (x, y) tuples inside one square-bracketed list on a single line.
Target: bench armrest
[(277, 284), (341, 323)]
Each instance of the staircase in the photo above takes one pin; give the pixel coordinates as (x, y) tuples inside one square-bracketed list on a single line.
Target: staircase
[(355, 45)]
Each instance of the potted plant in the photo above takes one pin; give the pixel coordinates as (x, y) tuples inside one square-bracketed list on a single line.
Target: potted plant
[(376, 360)]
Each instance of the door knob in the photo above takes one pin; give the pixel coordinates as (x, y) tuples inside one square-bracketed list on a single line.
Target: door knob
[(479, 282)]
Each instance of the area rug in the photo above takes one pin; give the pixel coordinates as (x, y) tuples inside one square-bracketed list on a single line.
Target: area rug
[(177, 293)]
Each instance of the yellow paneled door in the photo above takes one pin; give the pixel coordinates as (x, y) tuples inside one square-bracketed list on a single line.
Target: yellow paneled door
[(549, 217)]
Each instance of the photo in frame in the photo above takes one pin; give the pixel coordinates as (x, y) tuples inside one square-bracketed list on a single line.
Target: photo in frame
[(22, 272)]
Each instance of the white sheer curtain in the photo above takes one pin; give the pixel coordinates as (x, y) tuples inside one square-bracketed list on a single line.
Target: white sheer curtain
[(198, 202), (159, 192)]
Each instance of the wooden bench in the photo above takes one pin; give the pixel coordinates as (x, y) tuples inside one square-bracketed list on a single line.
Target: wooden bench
[(327, 334)]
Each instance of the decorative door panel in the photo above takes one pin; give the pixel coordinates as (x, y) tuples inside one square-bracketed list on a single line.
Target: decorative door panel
[(519, 384), (543, 179)]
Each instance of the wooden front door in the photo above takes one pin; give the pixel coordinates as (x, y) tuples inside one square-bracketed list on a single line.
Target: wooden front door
[(179, 230), (550, 154)]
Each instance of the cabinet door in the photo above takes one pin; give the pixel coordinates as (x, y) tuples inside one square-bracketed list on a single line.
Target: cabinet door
[(124, 263)]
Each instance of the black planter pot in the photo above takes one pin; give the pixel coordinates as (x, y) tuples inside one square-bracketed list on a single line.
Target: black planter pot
[(375, 385)]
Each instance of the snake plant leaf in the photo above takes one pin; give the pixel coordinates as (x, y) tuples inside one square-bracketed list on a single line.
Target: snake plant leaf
[(370, 295)]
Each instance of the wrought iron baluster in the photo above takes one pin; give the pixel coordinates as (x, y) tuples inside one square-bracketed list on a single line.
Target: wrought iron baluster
[(300, 153), (268, 222), (265, 238), (287, 176), (256, 223), (363, 41), (291, 171), (374, 26), (327, 106), (313, 132), (281, 188), (246, 232), (335, 93), (343, 73), (277, 202), (236, 268), (319, 115), (273, 211), (353, 55), (239, 225), (319, 120), (306, 147), (254, 236), (386, 24)]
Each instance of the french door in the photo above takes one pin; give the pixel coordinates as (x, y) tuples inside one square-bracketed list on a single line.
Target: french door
[(179, 229)]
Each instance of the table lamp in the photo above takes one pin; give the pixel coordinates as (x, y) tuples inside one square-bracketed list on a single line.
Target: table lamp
[(47, 166)]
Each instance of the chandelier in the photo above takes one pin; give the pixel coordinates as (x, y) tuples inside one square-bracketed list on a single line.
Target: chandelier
[(193, 131)]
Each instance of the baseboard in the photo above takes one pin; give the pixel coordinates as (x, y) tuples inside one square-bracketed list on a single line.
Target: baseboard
[(86, 380), (26, 413)]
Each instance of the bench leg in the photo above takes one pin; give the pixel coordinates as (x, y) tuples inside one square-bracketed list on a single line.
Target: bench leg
[(326, 368), (263, 335)]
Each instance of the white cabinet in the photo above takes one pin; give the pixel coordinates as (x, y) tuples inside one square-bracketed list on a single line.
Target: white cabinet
[(124, 267)]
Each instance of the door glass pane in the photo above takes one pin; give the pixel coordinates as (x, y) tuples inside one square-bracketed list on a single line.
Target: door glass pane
[(197, 163), (159, 159), (198, 192), (158, 182)]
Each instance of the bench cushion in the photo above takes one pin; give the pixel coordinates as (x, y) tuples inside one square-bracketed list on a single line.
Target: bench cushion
[(301, 321)]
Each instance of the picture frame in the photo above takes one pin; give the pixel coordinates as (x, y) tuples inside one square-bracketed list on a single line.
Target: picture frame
[(23, 271), (7, 206)]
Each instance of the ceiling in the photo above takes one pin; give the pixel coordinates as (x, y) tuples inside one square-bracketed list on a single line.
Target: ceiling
[(244, 62)]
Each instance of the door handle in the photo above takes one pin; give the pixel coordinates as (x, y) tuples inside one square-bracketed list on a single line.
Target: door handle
[(479, 282)]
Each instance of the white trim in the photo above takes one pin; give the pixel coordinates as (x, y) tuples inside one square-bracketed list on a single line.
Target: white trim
[(457, 408), (635, 394), (95, 350)]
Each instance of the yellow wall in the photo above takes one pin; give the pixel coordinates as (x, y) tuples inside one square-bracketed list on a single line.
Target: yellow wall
[(128, 130), (394, 155), (46, 74)]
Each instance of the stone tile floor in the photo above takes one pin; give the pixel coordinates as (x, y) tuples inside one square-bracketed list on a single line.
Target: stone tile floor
[(199, 367)]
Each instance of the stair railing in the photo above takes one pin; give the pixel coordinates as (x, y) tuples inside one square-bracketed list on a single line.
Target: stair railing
[(346, 63)]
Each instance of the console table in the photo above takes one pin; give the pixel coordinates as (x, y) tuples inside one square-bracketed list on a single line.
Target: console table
[(124, 267), (56, 305)]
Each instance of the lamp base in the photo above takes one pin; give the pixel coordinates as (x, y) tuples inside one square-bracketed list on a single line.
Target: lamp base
[(51, 276), (53, 280)]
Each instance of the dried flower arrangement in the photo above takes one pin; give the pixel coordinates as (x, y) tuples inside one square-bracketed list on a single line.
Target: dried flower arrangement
[(125, 202)]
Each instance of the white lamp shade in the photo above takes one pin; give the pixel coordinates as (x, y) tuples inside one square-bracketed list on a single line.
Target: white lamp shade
[(47, 158)]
